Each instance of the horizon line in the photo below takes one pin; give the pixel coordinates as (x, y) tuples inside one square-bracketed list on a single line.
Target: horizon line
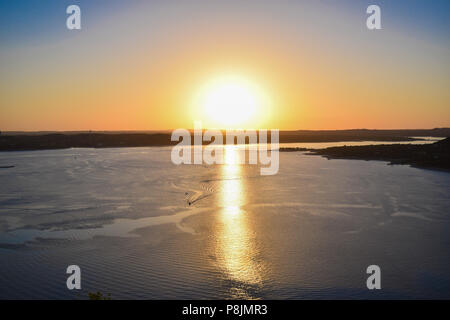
[(191, 129)]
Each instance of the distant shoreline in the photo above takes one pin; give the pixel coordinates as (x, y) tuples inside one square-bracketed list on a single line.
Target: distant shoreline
[(49, 141)]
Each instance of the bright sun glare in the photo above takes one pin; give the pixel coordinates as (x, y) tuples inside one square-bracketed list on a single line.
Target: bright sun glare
[(231, 101)]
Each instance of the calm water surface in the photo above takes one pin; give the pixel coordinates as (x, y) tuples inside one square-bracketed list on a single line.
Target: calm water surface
[(123, 216)]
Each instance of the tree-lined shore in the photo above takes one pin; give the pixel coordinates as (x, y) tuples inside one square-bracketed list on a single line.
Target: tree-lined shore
[(430, 156), (21, 141)]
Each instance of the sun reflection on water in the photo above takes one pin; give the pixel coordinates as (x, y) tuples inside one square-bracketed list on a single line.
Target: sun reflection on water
[(236, 248)]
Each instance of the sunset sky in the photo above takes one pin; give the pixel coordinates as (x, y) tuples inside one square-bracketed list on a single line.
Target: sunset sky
[(151, 65)]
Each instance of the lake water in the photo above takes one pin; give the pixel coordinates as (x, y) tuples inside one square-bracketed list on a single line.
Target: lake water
[(123, 216)]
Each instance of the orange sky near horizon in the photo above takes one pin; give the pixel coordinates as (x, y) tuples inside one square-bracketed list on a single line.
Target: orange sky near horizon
[(120, 74)]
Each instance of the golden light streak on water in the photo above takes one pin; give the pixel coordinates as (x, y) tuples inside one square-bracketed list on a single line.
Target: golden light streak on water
[(236, 247)]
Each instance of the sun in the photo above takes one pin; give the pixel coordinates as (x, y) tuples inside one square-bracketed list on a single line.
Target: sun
[(231, 101)]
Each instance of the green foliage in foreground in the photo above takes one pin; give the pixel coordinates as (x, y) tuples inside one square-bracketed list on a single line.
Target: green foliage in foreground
[(99, 296)]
